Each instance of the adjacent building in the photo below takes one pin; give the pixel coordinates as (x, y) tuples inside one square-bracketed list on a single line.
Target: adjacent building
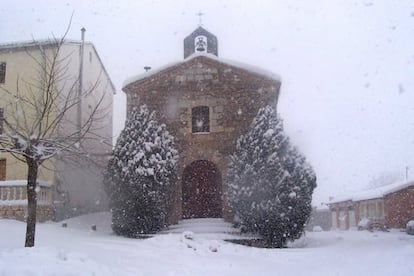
[(65, 188), (391, 206)]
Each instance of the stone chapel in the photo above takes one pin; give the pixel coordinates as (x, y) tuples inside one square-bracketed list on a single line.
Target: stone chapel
[(207, 103)]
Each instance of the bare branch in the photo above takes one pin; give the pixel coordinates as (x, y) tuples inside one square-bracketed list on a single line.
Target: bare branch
[(40, 112)]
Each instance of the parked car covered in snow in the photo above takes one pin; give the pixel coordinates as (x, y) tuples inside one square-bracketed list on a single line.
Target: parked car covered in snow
[(410, 227)]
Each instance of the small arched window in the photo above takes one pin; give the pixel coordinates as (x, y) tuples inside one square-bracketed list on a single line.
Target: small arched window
[(200, 119)]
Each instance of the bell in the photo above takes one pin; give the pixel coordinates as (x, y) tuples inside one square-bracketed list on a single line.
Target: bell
[(200, 48)]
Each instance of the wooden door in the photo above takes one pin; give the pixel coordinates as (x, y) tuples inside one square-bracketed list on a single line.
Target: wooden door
[(201, 191)]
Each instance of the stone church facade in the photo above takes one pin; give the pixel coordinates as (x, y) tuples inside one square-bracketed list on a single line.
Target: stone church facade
[(206, 103)]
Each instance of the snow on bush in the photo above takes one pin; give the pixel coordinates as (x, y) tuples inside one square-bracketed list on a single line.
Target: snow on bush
[(271, 185), (188, 235), (410, 227), (141, 175), (317, 228)]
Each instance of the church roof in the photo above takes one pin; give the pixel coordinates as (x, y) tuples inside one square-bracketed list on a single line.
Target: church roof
[(243, 66)]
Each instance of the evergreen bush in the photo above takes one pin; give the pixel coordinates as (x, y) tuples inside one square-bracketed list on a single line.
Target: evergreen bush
[(141, 174), (270, 183)]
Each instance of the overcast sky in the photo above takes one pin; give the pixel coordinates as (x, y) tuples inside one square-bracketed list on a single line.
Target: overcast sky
[(347, 67)]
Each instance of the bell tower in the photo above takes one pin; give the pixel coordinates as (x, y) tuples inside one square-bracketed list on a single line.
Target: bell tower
[(200, 41)]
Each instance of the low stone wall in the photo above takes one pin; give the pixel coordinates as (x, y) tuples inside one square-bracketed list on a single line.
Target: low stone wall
[(13, 200), (19, 212)]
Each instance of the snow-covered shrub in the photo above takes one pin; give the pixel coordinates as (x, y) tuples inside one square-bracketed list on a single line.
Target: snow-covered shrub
[(317, 228), (271, 185), (410, 227), (141, 175)]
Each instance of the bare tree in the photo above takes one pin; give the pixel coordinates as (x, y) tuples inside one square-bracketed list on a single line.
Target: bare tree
[(42, 118)]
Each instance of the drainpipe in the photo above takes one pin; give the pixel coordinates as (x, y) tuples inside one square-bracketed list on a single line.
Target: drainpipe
[(80, 88)]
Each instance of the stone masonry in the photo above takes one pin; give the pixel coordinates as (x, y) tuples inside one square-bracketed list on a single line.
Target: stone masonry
[(13, 202), (233, 95)]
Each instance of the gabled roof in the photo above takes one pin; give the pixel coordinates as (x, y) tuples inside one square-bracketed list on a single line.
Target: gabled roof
[(26, 45), (36, 43), (398, 187), (201, 30), (246, 67)]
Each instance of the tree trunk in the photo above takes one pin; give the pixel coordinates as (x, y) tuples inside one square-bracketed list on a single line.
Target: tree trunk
[(33, 167)]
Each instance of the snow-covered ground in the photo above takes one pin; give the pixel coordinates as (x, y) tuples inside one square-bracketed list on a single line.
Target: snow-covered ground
[(77, 250)]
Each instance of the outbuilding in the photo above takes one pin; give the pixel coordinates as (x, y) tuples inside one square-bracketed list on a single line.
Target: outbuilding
[(391, 206)]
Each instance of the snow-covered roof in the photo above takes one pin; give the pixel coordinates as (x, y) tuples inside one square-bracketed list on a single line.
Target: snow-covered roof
[(374, 193), (247, 67), (369, 194), (401, 186), (338, 199), (201, 28), (21, 45), (22, 182), (37, 43)]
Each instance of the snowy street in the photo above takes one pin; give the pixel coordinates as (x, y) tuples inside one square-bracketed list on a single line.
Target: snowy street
[(279, 117), (77, 250)]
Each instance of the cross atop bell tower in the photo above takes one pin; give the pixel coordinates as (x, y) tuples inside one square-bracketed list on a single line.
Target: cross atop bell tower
[(200, 22), (200, 41)]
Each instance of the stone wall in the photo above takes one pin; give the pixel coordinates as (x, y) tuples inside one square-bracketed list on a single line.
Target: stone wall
[(19, 212), (233, 95), (13, 201)]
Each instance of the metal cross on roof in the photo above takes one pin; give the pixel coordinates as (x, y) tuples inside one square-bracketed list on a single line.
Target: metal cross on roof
[(200, 14)]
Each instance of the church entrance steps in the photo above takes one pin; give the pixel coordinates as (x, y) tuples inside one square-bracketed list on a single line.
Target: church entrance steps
[(207, 228), (203, 225)]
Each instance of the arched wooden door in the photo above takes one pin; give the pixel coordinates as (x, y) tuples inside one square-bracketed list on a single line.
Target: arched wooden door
[(201, 190)]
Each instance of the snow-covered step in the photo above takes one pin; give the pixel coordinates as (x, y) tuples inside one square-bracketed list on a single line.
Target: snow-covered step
[(204, 225)]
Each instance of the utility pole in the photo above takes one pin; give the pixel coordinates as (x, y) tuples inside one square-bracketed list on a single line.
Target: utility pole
[(80, 88), (406, 173)]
